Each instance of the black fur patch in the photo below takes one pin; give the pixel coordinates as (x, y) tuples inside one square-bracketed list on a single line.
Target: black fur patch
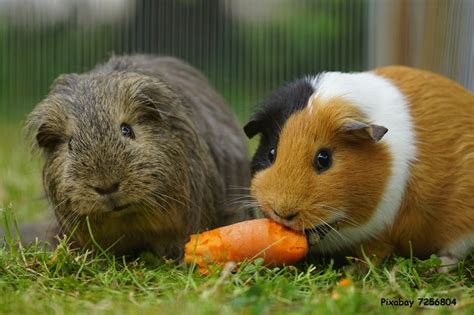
[(272, 115)]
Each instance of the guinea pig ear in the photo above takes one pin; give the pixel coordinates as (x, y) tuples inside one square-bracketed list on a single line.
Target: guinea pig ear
[(45, 125), (46, 137), (64, 83), (252, 128), (152, 105), (365, 131), (66, 79), (155, 98)]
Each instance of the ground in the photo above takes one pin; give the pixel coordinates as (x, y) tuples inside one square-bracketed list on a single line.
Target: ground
[(36, 281)]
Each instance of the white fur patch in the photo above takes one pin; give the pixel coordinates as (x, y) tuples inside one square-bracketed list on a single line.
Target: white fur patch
[(451, 254), (459, 248), (384, 105)]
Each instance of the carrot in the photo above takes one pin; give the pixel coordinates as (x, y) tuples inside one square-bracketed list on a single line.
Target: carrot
[(275, 243)]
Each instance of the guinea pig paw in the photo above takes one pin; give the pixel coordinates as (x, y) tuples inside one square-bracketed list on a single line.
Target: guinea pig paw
[(312, 237), (448, 264), (318, 233)]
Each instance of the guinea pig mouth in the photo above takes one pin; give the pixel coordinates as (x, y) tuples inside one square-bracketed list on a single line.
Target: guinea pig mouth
[(120, 208), (114, 205), (318, 233)]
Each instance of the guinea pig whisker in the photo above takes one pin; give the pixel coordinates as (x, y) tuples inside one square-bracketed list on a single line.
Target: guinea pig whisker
[(66, 219), (349, 222), (340, 213), (246, 208), (166, 199), (62, 218), (187, 199), (236, 200), (312, 235), (148, 214), (73, 212), (71, 222), (238, 192), (238, 203), (330, 208), (249, 202), (342, 237), (59, 204), (162, 204), (322, 229), (234, 187), (235, 195)]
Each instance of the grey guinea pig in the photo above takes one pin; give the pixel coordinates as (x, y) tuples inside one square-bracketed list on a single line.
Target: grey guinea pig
[(145, 149)]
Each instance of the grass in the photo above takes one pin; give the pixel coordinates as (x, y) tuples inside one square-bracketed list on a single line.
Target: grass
[(20, 175), (65, 281)]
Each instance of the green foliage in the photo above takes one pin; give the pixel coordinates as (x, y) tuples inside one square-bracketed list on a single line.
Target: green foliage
[(34, 280), (243, 60), (32, 58), (20, 175)]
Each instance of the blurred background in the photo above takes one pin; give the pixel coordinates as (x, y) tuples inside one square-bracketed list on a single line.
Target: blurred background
[(245, 47)]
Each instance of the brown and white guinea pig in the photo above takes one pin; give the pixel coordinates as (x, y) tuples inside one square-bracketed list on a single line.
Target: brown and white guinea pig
[(144, 148), (382, 159)]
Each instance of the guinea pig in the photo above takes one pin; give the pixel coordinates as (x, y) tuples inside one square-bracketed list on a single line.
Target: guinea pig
[(381, 161), (140, 152)]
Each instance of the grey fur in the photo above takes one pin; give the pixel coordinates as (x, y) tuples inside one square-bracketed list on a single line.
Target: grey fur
[(177, 174)]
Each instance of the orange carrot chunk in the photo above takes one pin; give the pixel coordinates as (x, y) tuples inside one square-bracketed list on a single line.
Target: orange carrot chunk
[(248, 240)]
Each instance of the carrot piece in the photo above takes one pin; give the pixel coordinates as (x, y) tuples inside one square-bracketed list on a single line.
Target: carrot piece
[(275, 243), (344, 282)]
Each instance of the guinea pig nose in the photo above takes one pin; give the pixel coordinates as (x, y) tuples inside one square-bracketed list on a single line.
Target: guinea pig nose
[(107, 190), (288, 217)]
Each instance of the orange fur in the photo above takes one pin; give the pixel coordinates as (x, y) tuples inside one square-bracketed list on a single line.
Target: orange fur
[(438, 205), (314, 196)]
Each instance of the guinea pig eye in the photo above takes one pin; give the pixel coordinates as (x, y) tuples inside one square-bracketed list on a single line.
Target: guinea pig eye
[(322, 160), (271, 155), (127, 131)]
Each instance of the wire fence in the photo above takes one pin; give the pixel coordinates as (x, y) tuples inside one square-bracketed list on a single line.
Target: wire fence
[(245, 47)]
